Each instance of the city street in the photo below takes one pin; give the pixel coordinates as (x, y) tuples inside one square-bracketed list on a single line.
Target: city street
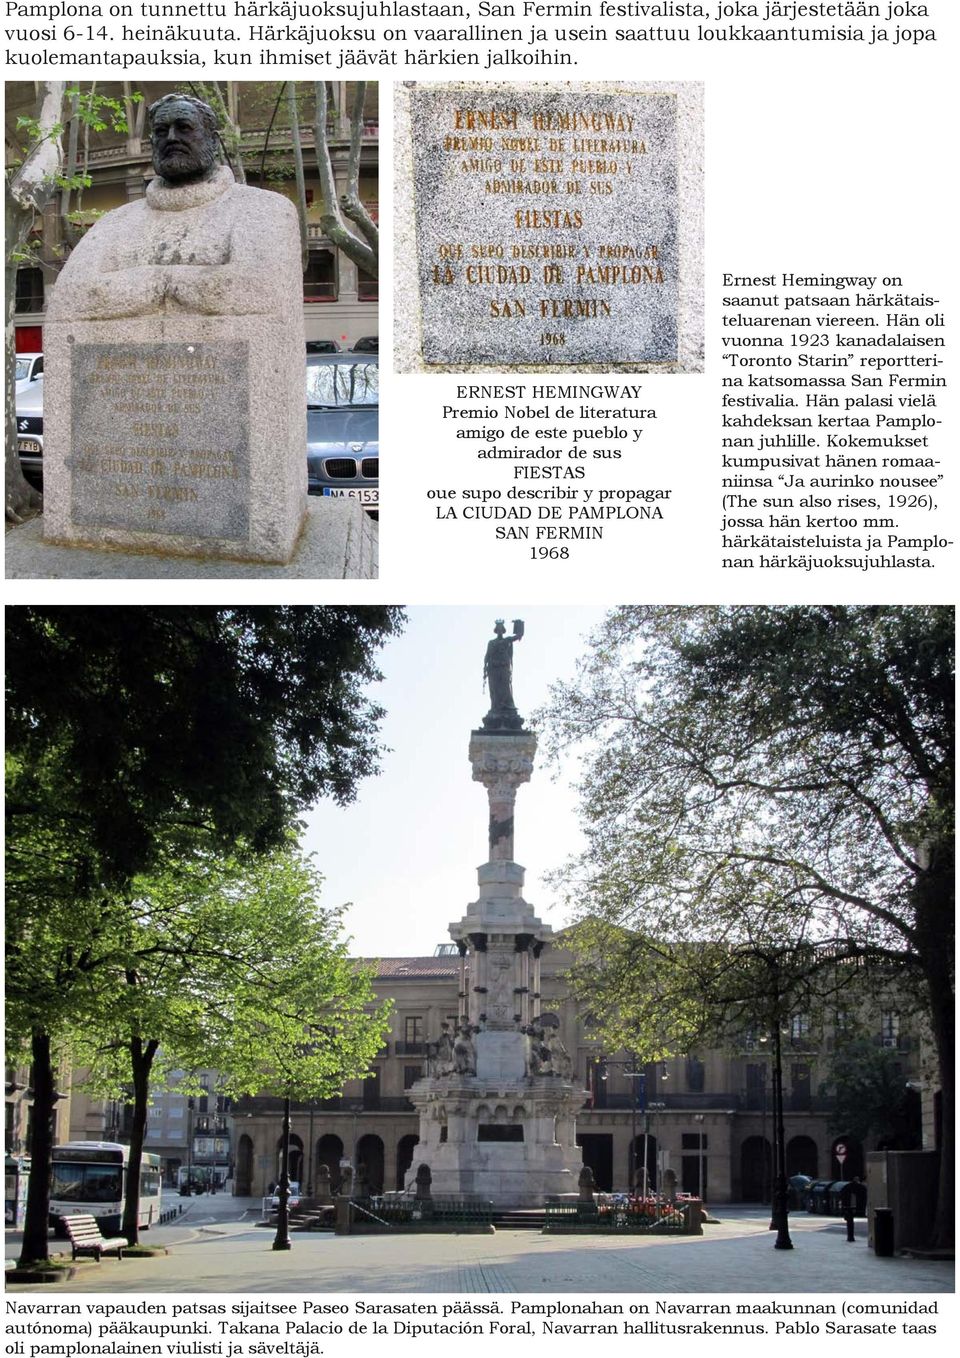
[(215, 1246)]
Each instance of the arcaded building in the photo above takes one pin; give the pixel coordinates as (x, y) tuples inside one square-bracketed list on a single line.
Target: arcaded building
[(707, 1116)]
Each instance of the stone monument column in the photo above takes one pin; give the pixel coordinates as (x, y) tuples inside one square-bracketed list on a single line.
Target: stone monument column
[(519, 1082), (502, 762)]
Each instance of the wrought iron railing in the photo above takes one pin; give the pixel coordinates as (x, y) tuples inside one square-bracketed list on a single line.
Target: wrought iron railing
[(618, 1213)]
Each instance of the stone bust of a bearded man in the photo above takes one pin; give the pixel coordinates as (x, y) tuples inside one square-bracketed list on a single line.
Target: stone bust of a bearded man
[(196, 242)]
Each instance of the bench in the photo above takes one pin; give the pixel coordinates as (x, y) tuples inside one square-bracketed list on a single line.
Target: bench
[(85, 1238)]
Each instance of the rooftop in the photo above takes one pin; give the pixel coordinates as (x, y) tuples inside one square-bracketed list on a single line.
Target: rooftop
[(395, 967)]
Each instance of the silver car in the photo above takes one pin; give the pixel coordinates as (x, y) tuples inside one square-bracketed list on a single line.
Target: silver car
[(28, 369), (343, 432), (29, 407)]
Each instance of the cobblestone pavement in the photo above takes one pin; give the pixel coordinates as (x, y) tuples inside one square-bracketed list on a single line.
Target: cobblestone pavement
[(213, 1251)]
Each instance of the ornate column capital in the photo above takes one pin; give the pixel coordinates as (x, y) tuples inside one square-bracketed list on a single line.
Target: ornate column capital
[(502, 762)]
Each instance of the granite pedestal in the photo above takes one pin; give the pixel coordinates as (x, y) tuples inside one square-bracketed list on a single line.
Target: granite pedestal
[(553, 225), (175, 415)]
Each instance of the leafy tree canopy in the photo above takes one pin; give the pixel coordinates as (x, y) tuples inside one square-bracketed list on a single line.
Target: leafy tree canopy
[(155, 741), (228, 963), (871, 1098), (771, 785), (772, 773), (225, 962), (129, 723)]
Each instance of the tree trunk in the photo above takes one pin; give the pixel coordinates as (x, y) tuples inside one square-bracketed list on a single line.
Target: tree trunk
[(350, 202), (25, 195), (35, 1248), (141, 1063), (298, 169), (331, 220), (22, 500), (67, 230), (942, 1024), (934, 899)]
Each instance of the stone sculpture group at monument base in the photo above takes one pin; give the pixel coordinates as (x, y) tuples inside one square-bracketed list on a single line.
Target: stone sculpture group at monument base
[(543, 1052)]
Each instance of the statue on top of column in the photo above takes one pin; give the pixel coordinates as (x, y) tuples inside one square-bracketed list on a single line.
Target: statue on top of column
[(498, 676)]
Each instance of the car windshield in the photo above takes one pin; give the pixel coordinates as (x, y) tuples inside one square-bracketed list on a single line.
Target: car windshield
[(343, 384), (23, 369)]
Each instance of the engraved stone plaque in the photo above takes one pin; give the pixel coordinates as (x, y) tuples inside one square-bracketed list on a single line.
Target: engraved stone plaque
[(160, 438), (546, 225)]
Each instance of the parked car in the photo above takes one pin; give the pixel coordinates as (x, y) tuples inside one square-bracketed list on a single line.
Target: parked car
[(29, 367), (369, 344), (293, 1199), (798, 1190), (29, 408), (324, 346), (343, 429)]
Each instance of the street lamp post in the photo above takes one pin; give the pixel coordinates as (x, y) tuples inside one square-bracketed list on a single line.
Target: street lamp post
[(310, 1154), (774, 1150), (653, 1108), (190, 1106), (282, 1238), (646, 1147), (698, 1119), (765, 1159), (638, 1098), (779, 1221)]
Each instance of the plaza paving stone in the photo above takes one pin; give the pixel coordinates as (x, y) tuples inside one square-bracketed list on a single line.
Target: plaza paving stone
[(212, 1253)]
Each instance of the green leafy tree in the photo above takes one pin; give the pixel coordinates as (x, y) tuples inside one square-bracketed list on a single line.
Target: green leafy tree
[(871, 1100), (131, 732), (764, 776), (228, 963), (51, 936), (141, 723), (37, 170)]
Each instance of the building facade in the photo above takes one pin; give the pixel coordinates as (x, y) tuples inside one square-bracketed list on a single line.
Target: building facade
[(18, 1109), (707, 1117), (190, 1132)]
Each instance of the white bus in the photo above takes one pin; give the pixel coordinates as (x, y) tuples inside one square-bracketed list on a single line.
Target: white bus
[(91, 1176)]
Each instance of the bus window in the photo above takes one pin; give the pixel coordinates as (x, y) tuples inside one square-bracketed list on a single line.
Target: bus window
[(86, 1183), (150, 1182)]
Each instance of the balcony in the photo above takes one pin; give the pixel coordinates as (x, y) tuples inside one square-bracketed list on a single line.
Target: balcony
[(743, 1101), (133, 150), (794, 1101), (410, 1048), (668, 1102), (211, 1157), (356, 1106)]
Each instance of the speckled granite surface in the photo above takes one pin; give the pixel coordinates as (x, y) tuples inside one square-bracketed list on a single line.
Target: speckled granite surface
[(552, 226)]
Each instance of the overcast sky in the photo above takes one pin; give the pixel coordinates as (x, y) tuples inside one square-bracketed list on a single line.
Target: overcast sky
[(406, 852)]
